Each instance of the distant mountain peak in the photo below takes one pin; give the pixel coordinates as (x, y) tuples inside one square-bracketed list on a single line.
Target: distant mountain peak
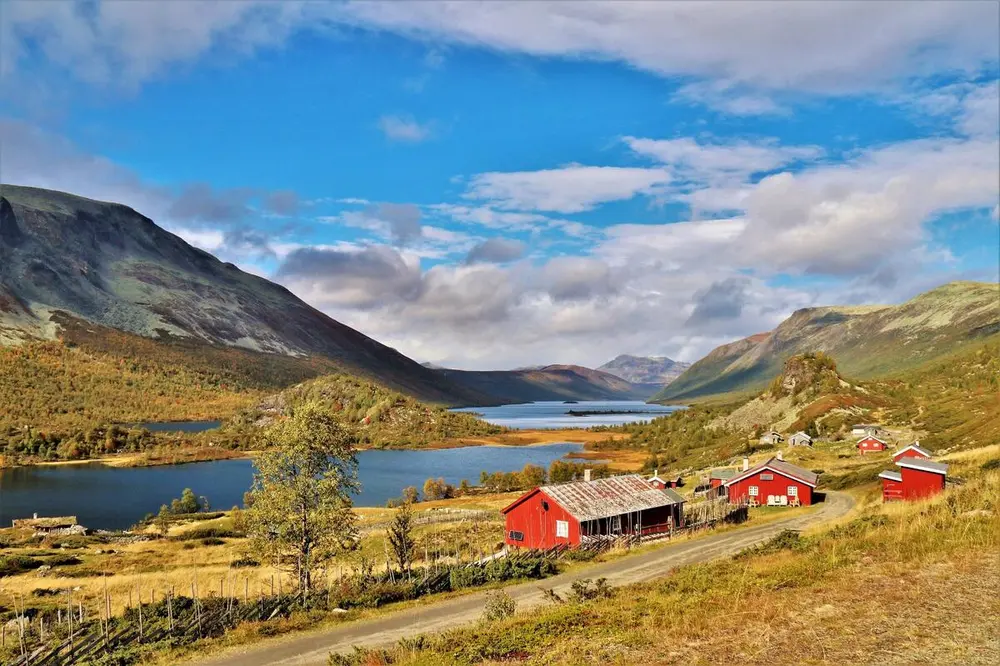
[(644, 369)]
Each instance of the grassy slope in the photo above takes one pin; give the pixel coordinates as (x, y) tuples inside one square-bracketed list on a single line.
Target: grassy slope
[(866, 342), (903, 583)]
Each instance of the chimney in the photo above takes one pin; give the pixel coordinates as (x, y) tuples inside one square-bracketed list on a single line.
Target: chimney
[(586, 474), (656, 473), (746, 464), (780, 456), (34, 516)]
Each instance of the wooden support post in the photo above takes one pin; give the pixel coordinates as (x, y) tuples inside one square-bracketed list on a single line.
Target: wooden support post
[(170, 609), (138, 593)]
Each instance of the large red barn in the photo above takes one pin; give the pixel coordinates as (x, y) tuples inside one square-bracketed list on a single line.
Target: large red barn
[(871, 444), (912, 451), (573, 513), (773, 483), (921, 478)]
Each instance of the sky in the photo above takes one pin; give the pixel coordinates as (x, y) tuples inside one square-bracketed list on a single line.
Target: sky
[(502, 184)]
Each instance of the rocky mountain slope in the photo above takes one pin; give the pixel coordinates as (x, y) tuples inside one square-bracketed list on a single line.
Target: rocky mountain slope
[(645, 369), (551, 382), (107, 264), (866, 342)]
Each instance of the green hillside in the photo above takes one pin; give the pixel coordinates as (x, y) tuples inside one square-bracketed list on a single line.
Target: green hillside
[(866, 342)]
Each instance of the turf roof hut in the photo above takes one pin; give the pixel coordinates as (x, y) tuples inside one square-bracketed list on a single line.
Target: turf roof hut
[(574, 513)]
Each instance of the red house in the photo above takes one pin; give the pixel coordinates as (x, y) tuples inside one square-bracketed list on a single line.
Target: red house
[(871, 444), (718, 477), (574, 513), (892, 486), (773, 483), (669, 482), (921, 477), (911, 451)]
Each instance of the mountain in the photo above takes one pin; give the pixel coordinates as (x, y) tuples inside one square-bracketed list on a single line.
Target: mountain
[(107, 264), (551, 382), (645, 369), (866, 342)]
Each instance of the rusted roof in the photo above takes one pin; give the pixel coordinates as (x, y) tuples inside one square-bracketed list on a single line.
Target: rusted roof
[(781, 467), (603, 498), (923, 465)]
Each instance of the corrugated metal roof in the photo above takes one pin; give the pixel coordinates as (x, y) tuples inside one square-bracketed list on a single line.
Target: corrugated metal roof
[(923, 465), (603, 498), (782, 467), (892, 476), (723, 473)]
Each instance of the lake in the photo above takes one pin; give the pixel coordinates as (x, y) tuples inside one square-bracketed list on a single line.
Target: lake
[(555, 415), (115, 498), (178, 426)]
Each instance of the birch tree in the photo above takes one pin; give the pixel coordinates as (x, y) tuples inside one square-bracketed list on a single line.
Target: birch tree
[(299, 511)]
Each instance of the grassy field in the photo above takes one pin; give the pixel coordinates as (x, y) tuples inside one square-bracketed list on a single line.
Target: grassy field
[(900, 583)]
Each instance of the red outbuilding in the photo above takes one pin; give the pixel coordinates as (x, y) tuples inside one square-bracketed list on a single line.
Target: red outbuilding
[(871, 444), (911, 451), (574, 513), (718, 477), (669, 482), (921, 477), (892, 486), (773, 483)]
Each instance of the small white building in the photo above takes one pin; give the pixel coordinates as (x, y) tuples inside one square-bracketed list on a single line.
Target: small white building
[(771, 438), (800, 439)]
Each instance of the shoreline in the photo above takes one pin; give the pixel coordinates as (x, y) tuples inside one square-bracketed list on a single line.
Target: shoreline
[(511, 439)]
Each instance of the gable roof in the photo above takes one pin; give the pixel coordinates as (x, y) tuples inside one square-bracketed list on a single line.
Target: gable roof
[(867, 437), (657, 477), (781, 467), (722, 473), (915, 447), (892, 476), (603, 498), (923, 465)]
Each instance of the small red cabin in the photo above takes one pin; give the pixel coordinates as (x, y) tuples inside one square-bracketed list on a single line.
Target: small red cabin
[(871, 444), (892, 486), (669, 482), (718, 477), (773, 483), (921, 477), (574, 513), (911, 451)]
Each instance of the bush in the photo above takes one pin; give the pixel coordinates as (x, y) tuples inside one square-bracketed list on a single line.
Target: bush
[(784, 540), (62, 560), (11, 565), (213, 541), (499, 606), (587, 590), (208, 533), (244, 563), (991, 465)]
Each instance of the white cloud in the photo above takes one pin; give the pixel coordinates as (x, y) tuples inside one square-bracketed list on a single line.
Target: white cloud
[(569, 189), (403, 128), (725, 97)]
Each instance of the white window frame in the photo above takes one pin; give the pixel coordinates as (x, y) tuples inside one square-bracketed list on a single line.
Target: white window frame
[(753, 491), (562, 529), (793, 491)]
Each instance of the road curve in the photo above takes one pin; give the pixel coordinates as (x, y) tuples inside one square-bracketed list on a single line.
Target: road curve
[(313, 648)]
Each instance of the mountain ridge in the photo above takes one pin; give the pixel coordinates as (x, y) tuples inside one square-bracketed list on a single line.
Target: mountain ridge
[(866, 341), (645, 369)]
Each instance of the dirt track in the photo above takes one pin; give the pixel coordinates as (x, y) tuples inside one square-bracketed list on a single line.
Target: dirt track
[(313, 648)]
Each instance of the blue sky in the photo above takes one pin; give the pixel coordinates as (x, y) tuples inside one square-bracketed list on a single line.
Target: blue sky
[(494, 185)]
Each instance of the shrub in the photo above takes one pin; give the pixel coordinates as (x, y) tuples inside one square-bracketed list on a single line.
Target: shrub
[(11, 565), (244, 563), (586, 589), (207, 533), (991, 464), (213, 541), (499, 606)]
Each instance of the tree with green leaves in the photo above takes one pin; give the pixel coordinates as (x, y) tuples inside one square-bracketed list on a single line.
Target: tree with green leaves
[(299, 512), (401, 537)]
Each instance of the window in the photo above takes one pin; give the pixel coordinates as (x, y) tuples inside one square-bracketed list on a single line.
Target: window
[(753, 491), (514, 535), (793, 491), (562, 529), (545, 505), (767, 477)]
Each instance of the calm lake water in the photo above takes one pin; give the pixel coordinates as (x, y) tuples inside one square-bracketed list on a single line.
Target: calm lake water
[(554, 415), (115, 498)]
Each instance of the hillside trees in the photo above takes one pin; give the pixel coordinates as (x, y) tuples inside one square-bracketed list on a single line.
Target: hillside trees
[(299, 513)]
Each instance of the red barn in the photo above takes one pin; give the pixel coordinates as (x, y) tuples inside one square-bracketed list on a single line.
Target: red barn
[(921, 477), (774, 483), (718, 477), (911, 451), (574, 513), (892, 486), (871, 444), (669, 482)]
